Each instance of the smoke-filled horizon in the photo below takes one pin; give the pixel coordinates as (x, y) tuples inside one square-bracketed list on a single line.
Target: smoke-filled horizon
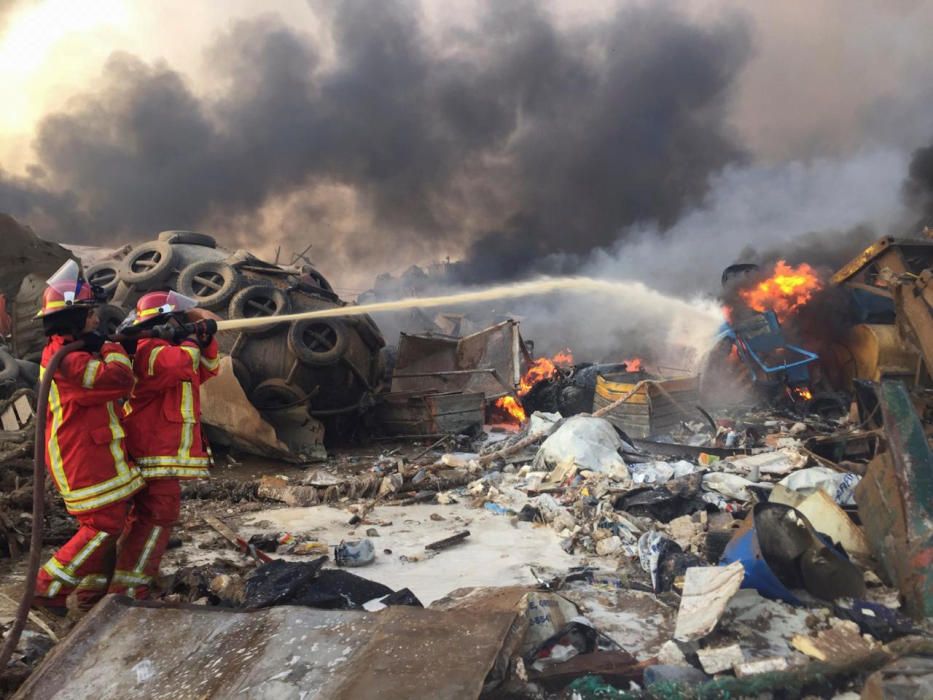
[(514, 143)]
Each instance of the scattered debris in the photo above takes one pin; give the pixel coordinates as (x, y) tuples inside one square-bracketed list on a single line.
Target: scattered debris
[(448, 541), (626, 540)]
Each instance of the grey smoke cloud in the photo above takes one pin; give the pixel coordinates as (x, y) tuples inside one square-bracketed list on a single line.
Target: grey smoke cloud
[(514, 140)]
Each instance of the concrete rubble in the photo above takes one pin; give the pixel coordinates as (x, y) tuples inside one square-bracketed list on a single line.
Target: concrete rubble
[(618, 542)]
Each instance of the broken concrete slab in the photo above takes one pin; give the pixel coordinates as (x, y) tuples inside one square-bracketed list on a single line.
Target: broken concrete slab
[(635, 620), (719, 659), (841, 641)]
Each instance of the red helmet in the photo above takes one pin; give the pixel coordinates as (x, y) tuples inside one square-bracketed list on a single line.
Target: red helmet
[(158, 305), (66, 290)]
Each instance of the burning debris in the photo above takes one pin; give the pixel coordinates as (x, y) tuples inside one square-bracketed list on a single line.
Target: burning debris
[(718, 531)]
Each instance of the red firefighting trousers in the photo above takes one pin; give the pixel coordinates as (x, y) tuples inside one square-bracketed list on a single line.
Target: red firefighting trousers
[(155, 510), (85, 562)]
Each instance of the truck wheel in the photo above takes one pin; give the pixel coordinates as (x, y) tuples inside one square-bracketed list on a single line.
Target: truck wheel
[(105, 275), (188, 238), (259, 301), (318, 342), (148, 265), (211, 282)]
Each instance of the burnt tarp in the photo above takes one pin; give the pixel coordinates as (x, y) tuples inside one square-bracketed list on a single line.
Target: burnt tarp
[(135, 649), (487, 362), (895, 501)]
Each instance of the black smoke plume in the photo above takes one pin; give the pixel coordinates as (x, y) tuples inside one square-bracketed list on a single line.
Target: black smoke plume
[(510, 141), (918, 187)]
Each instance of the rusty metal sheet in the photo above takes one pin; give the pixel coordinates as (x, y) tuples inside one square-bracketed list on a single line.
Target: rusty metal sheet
[(131, 649), (895, 501), (487, 362), (431, 414), (861, 260)]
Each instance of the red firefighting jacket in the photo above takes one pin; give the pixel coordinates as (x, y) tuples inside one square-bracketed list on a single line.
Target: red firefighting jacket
[(162, 417), (84, 438)]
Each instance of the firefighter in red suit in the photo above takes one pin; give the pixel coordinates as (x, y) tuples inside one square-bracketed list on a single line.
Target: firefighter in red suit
[(84, 443), (163, 429)]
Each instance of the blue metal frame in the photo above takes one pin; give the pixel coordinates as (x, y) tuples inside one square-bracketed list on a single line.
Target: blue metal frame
[(763, 334)]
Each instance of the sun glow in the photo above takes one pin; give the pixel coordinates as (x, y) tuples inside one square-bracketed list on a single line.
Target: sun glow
[(33, 37)]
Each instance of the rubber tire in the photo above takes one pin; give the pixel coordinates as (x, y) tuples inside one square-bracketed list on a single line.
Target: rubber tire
[(275, 395), (188, 238), (330, 330), (151, 277), (28, 371), (203, 273), (9, 370), (110, 317), (243, 376), (240, 300), (108, 274)]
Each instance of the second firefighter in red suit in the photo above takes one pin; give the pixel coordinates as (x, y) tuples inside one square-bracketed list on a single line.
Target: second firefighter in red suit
[(163, 429)]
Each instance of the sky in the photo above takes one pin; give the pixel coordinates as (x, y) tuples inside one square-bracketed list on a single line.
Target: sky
[(514, 137)]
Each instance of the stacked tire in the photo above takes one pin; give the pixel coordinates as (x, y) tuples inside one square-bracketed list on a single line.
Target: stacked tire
[(329, 364)]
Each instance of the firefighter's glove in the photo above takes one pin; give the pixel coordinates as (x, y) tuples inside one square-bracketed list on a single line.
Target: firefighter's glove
[(180, 333), (93, 342), (204, 331), (172, 332)]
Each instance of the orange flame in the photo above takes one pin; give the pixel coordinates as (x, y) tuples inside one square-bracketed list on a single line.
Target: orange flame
[(786, 290), (510, 405), (634, 365), (542, 368), (803, 392)]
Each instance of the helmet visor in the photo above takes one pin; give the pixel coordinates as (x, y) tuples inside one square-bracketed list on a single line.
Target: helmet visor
[(67, 281), (179, 302)]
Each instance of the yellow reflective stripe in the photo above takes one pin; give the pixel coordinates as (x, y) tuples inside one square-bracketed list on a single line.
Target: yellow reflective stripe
[(152, 358), (195, 355), (54, 589), (173, 461), (187, 403), (147, 550), (90, 374), (149, 312), (118, 494), (116, 441), (56, 569), (86, 551), (118, 357), (209, 363), (55, 454), (131, 578), (95, 582), (176, 472)]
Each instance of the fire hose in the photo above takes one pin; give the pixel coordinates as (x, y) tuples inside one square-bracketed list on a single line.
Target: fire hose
[(522, 289)]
